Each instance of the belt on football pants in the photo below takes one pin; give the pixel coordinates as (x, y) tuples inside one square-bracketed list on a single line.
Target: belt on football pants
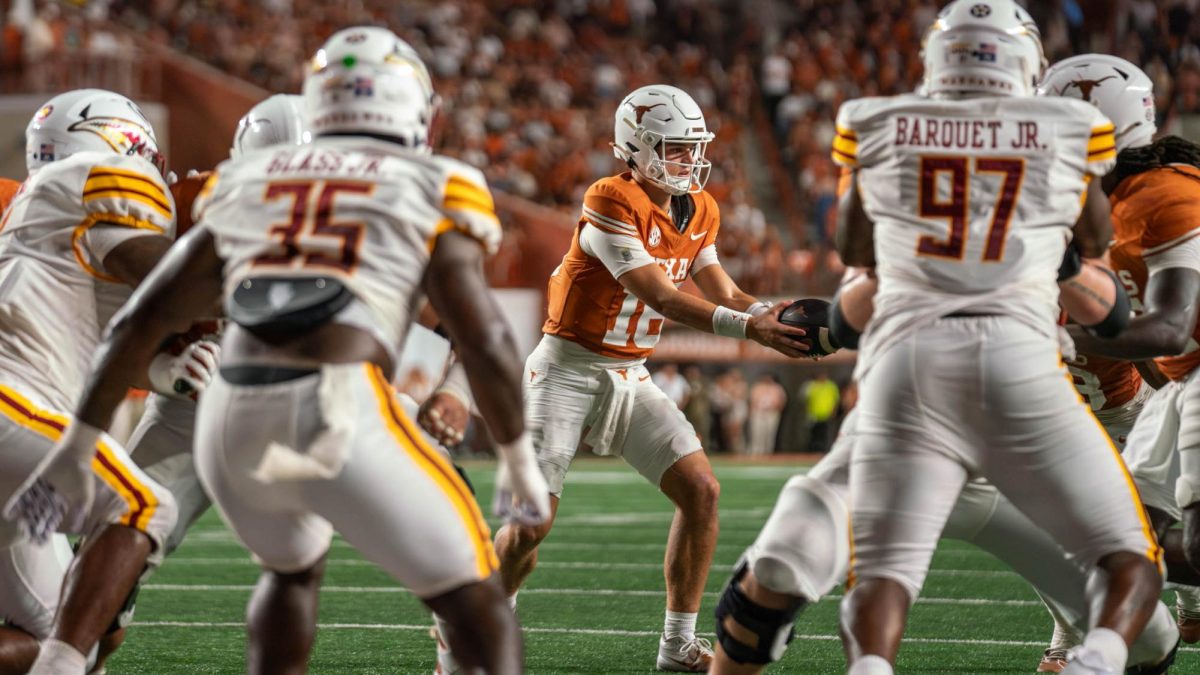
[(966, 314), (252, 375)]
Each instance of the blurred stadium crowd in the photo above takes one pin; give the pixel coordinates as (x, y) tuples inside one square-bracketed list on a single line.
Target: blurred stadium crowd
[(528, 85)]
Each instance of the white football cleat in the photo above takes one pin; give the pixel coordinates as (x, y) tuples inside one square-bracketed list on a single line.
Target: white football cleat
[(680, 655)]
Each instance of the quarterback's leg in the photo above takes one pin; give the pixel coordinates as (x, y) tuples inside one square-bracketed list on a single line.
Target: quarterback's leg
[(558, 401), (662, 445)]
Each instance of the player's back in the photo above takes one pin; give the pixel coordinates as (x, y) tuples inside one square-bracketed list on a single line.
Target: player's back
[(973, 200), (365, 212), (55, 295)]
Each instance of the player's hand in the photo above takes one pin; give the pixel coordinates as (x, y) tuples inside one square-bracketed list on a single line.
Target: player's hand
[(62, 483), (522, 495), (445, 417), (766, 330), (186, 374)]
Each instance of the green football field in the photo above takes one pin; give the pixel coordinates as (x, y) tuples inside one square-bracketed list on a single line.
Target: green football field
[(595, 603)]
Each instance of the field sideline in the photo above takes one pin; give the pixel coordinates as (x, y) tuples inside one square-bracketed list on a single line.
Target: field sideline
[(593, 606)]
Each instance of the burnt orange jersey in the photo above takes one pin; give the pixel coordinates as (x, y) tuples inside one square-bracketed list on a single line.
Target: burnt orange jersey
[(1105, 383), (8, 192), (587, 305), (1153, 212)]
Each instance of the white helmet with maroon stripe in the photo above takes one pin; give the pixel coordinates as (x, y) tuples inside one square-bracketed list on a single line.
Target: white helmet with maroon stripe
[(654, 118)]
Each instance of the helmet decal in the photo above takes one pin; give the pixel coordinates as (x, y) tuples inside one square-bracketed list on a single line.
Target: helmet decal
[(1085, 87)]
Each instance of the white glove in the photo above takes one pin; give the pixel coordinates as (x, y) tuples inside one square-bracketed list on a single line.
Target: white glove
[(187, 374), (522, 495), (62, 483)]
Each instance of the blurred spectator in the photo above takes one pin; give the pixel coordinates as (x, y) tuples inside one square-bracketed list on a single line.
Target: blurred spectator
[(729, 400), (821, 396), (672, 383), (529, 87), (698, 409), (767, 401)]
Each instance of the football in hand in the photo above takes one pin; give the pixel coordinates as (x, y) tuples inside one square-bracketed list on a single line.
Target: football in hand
[(812, 315)]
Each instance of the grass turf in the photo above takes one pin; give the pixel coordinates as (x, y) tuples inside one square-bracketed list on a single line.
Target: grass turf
[(595, 603)]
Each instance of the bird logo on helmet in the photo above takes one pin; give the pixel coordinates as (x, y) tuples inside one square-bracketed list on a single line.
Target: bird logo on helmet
[(89, 120)]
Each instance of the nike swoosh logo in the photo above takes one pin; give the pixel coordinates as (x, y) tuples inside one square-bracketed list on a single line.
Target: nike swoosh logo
[(697, 236), (643, 379)]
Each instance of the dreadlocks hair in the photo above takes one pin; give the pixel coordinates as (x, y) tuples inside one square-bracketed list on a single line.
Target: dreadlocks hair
[(1160, 154)]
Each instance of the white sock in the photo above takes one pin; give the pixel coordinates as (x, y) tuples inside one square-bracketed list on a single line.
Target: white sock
[(1188, 597), (1109, 645), (512, 602), (870, 665), (58, 658), (680, 624), (1064, 637)]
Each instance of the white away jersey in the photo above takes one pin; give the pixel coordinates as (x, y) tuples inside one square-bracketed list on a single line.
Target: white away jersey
[(55, 295), (365, 211), (973, 202)]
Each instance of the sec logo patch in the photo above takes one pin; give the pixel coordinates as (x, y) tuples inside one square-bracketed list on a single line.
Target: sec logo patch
[(655, 237)]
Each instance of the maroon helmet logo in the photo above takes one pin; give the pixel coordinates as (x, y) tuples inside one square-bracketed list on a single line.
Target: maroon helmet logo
[(1085, 87), (641, 110)]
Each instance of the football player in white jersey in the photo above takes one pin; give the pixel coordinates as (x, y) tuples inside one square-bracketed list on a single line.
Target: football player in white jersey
[(161, 443), (321, 256), (89, 223), (802, 552), (965, 198)]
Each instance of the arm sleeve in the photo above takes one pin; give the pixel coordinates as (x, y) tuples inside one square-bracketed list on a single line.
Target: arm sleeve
[(706, 257), (1102, 145), (124, 198), (1182, 252), (468, 207), (845, 140), (620, 253)]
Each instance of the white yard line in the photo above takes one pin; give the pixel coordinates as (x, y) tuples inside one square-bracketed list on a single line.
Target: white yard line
[(579, 565), (583, 631), (385, 590)]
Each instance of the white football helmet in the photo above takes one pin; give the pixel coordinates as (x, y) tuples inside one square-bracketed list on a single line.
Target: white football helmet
[(1118, 88), (651, 118), (988, 47), (278, 120), (365, 80), (89, 120)]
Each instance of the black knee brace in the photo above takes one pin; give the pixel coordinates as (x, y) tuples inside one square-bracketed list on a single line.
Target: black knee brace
[(772, 627)]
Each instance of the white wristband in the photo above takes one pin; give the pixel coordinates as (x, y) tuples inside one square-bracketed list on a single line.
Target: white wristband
[(730, 323), (758, 308)]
